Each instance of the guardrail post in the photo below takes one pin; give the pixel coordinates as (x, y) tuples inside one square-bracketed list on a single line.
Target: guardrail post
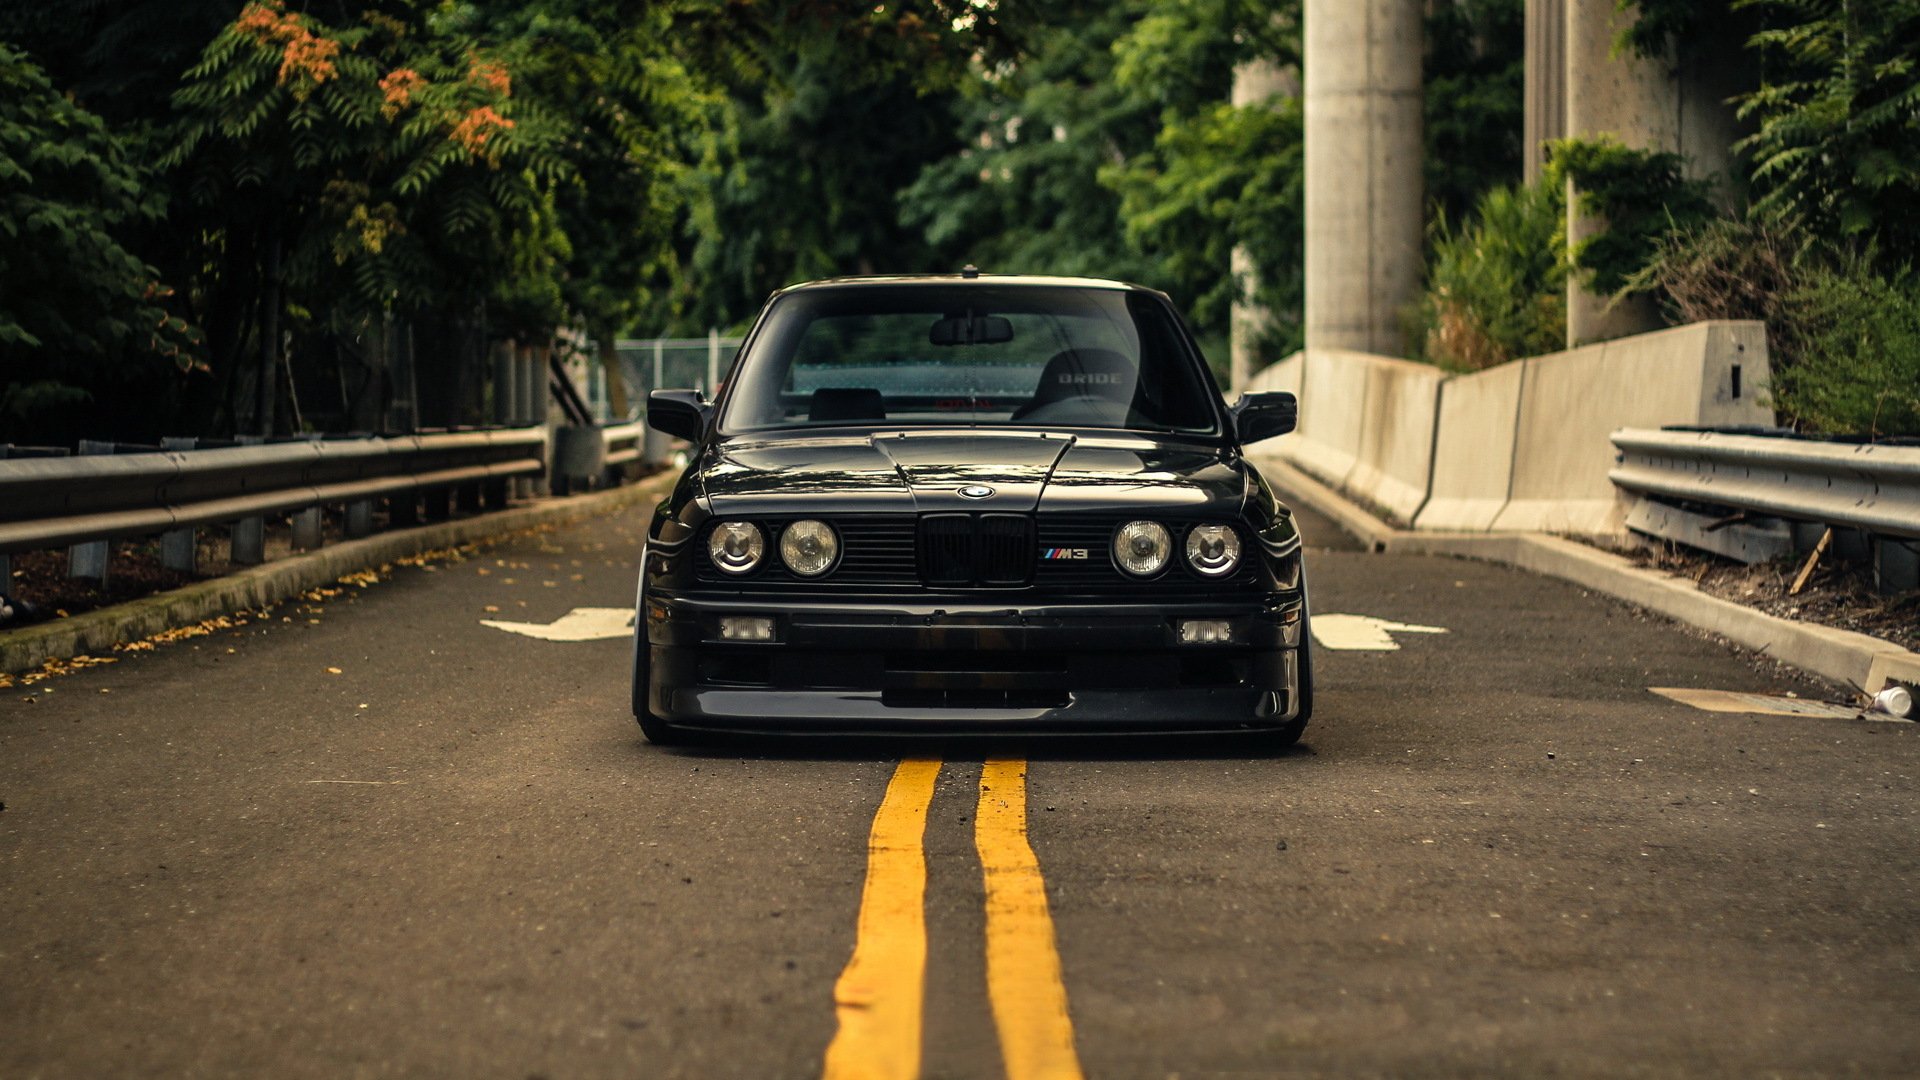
[(89, 560), (180, 548), (248, 538), (467, 498), (306, 529), (438, 502), (654, 449), (495, 491), (1896, 566), (403, 509), (359, 519)]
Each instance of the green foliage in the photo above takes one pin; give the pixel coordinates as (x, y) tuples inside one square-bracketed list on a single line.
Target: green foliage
[(1659, 26), (1726, 268), (1640, 195), (1836, 152), (1857, 364), (1027, 195), (1225, 177), (78, 310), (1496, 286), (1843, 337), (1475, 86)]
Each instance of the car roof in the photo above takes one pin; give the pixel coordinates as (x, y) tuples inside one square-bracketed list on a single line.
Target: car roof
[(966, 279)]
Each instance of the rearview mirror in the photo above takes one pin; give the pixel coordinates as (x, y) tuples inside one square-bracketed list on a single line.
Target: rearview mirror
[(975, 330), (1265, 414), (679, 413)]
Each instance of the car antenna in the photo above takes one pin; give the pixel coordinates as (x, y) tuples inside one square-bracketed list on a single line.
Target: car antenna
[(969, 271)]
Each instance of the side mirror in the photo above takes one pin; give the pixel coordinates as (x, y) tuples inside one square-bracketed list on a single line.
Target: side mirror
[(679, 413), (1265, 414)]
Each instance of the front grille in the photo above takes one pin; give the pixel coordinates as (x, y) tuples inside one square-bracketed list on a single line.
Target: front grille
[(959, 551), (902, 554)]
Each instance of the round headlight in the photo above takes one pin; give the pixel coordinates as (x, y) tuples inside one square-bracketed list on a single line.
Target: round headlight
[(736, 546), (1214, 550), (809, 548), (1142, 547)]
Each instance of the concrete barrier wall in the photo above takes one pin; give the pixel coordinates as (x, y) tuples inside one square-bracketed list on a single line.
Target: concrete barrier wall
[(1473, 450), (1395, 464), (1328, 441), (1572, 400), (1519, 447)]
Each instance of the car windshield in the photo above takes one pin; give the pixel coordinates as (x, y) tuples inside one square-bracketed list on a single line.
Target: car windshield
[(1028, 355)]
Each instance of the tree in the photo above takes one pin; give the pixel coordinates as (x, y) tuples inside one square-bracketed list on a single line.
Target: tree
[(1836, 153), (79, 312)]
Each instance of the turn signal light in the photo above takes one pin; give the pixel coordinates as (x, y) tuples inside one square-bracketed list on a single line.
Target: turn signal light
[(746, 628), (1205, 632)]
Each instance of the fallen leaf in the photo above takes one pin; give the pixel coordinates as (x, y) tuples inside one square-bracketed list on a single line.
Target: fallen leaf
[(333, 671)]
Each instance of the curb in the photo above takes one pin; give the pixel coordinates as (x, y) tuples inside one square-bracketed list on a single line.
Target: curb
[(1864, 662), (269, 583)]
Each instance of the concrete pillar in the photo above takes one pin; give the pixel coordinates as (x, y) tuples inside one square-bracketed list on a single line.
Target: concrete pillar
[(1634, 100), (1363, 183), (1544, 115), (1255, 83)]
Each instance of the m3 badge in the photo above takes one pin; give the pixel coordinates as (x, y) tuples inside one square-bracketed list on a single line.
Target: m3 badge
[(1063, 553)]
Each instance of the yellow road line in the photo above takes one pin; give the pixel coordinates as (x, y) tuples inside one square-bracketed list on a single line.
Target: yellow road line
[(1023, 966), (878, 997)]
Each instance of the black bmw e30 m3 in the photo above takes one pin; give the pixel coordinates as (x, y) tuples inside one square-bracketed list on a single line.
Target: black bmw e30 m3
[(971, 503)]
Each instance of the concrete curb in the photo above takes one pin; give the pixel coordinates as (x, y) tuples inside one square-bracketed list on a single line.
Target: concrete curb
[(259, 586), (1859, 660)]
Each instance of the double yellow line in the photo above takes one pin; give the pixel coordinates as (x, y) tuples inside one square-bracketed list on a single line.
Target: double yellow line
[(880, 993)]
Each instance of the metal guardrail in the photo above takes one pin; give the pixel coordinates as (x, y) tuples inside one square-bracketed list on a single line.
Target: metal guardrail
[(1874, 489), (1871, 489), (51, 502)]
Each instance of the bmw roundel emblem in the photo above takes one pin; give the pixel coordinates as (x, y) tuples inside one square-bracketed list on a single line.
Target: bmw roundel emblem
[(976, 491)]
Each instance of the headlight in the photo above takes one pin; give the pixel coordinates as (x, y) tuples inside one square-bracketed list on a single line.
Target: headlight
[(1142, 547), (736, 546), (1213, 550), (809, 548)]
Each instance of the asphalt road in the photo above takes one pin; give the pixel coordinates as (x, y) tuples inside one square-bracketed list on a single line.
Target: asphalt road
[(1496, 853)]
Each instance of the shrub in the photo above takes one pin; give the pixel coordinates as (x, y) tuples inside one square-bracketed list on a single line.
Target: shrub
[(1496, 287), (1641, 195), (1854, 364)]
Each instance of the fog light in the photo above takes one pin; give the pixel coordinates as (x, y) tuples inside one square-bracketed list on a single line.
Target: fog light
[(746, 628), (1205, 631)]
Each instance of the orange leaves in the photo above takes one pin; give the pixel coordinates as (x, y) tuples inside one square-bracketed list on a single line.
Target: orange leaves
[(491, 75), (305, 57), (398, 88), (474, 129)]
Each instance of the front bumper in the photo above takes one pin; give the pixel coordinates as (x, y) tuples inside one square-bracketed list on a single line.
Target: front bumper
[(906, 668)]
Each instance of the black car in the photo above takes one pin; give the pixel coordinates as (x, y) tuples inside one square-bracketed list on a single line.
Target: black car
[(971, 503)]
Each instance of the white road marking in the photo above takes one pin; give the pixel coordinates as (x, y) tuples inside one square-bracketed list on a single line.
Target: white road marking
[(580, 624), (1734, 701), (1364, 632)]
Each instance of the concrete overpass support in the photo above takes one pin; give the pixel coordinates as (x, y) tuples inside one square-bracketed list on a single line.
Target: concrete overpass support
[(1258, 82), (1544, 117), (1660, 105), (1363, 182)]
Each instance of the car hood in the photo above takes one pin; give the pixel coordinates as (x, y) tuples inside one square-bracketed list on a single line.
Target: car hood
[(917, 472)]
